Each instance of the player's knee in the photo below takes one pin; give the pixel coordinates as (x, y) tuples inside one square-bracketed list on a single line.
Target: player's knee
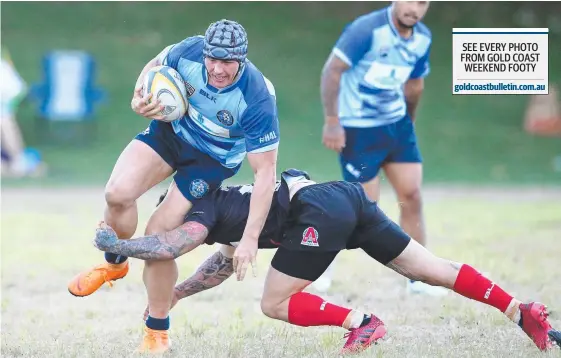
[(117, 196), (411, 200), (372, 189), (269, 308)]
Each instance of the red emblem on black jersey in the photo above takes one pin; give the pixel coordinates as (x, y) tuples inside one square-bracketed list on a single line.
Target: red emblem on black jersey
[(310, 237)]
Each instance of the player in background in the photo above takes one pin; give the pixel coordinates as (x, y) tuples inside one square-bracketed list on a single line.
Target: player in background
[(370, 88), (310, 223), (16, 160), (232, 112)]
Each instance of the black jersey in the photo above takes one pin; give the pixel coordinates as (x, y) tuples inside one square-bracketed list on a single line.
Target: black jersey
[(225, 211)]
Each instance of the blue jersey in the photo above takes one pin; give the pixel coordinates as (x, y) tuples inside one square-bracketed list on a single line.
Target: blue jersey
[(381, 61), (224, 123)]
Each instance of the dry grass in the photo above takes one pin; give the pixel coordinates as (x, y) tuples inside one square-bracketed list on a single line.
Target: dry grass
[(46, 239)]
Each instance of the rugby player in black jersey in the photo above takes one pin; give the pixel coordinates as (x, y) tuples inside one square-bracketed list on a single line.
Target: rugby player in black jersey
[(309, 223)]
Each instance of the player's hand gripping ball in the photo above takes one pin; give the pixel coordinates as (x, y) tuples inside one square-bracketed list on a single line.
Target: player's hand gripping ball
[(166, 84)]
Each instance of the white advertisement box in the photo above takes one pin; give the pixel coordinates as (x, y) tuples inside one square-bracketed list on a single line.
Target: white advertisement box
[(500, 61)]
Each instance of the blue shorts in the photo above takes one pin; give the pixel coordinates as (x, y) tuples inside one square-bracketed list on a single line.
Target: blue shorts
[(196, 172), (368, 149)]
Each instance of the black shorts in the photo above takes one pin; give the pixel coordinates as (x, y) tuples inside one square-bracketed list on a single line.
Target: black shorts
[(329, 217)]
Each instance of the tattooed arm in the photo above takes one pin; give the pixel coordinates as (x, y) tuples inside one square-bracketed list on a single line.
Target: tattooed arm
[(165, 246), (215, 270)]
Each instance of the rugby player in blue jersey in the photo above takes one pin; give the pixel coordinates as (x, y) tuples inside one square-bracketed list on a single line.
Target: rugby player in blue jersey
[(370, 88), (232, 114)]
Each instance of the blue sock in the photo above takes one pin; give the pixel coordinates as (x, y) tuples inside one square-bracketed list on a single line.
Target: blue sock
[(114, 258), (159, 324)]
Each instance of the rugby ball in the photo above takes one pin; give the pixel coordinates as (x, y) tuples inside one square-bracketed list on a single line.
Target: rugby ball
[(166, 84)]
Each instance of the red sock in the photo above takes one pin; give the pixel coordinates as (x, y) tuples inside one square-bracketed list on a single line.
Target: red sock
[(307, 310), (474, 285)]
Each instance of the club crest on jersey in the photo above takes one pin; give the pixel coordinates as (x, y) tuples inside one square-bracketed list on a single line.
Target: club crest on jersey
[(198, 188), (310, 237), (225, 117), (190, 89), (384, 50)]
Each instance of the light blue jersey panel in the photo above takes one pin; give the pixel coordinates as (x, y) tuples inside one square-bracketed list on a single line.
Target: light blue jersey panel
[(224, 123), (371, 91)]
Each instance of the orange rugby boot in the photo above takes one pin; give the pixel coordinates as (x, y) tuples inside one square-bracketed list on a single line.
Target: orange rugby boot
[(154, 341), (87, 282)]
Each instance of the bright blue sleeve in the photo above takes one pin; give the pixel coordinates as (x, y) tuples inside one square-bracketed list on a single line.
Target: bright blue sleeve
[(354, 42), (191, 48), (261, 126), (422, 67), (163, 56)]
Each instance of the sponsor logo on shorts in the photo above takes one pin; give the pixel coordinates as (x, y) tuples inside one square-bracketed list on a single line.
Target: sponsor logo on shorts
[(351, 169), (310, 237), (198, 188), (146, 131), (225, 117), (268, 137)]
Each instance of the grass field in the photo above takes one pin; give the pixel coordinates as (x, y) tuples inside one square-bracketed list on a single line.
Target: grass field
[(46, 239)]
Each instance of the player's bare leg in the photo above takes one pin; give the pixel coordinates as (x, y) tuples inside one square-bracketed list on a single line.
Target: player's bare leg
[(406, 179), (372, 188), (160, 276), (284, 300), (417, 263), (137, 170), (324, 282), (212, 272)]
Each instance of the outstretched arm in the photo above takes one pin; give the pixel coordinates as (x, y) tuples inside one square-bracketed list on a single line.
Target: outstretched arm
[(215, 270), (264, 168), (165, 246)]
